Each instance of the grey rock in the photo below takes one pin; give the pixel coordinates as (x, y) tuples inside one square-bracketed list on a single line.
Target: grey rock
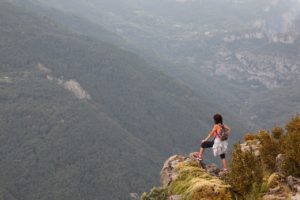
[(296, 197), (175, 197), (273, 197), (274, 190), (292, 181), (297, 188), (134, 196), (191, 158), (253, 147), (168, 172), (213, 169), (279, 162)]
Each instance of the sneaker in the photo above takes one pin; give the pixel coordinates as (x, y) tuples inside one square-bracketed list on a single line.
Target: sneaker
[(197, 156), (225, 170)]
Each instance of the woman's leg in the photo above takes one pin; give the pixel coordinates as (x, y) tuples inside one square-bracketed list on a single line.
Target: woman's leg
[(204, 145), (224, 161)]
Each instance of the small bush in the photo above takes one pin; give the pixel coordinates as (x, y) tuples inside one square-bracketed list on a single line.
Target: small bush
[(269, 149), (156, 194), (262, 134), (250, 136), (277, 132), (273, 180), (291, 164), (256, 192), (293, 125), (245, 171)]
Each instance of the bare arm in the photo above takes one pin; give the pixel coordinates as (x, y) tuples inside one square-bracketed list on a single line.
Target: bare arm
[(211, 134)]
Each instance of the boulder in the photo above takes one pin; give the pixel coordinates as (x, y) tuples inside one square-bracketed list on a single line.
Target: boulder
[(292, 181), (294, 184), (296, 197), (192, 158), (185, 178), (297, 188), (274, 190), (168, 172), (279, 162), (252, 146), (134, 196), (213, 169)]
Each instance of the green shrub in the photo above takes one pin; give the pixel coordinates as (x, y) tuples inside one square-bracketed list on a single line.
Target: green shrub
[(256, 192), (277, 132), (250, 136), (291, 148), (269, 150), (156, 193), (262, 134), (293, 125), (246, 172)]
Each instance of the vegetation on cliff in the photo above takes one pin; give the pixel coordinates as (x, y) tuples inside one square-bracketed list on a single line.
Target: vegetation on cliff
[(252, 175), (192, 182), (196, 183), (264, 167)]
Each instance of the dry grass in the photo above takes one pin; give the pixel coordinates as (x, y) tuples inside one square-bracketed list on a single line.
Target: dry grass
[(195, 183)]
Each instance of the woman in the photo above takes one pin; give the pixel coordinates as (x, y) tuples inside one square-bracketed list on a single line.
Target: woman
[(219, 146)]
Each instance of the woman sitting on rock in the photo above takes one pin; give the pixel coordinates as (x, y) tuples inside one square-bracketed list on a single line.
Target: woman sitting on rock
[(219, 133)]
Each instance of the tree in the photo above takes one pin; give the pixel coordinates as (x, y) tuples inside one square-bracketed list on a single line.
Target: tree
[(277, 132), (269, 150), (245, 173), (291, 149)]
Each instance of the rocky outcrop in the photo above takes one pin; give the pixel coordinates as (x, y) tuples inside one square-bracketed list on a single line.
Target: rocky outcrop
[(74, 87), (282, 189), (280, 186), (168, 172), (294, 184), (186, 178), (252, 145)]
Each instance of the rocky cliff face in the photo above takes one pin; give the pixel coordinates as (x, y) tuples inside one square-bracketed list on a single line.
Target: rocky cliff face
[(253, 68)]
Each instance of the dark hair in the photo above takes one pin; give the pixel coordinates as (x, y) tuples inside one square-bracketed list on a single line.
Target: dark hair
[(218, 118)]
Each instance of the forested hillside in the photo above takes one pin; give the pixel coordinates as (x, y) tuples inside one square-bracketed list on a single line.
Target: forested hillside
[(84, 119)]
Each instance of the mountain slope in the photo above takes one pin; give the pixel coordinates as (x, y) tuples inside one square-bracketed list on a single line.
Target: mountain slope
[(84, 119), (252, 46), (54, 146)]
